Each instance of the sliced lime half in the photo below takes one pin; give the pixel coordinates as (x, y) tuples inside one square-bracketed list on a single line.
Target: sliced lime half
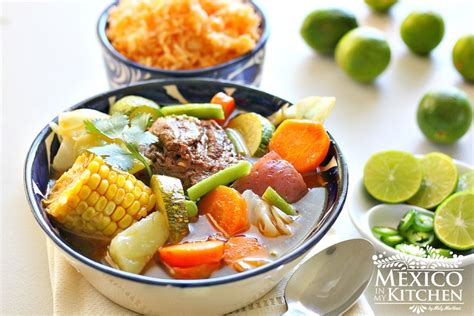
[(439, 180), (454, 221), (392, 176)]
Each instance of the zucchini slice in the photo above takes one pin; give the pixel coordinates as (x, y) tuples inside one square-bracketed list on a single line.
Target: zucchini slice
[(170, 201), (256, 131)]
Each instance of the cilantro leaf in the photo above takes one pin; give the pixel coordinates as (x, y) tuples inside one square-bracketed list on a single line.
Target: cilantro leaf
[(137, 137), (124, 141), (114, 155), (143, 121), (109, 128)]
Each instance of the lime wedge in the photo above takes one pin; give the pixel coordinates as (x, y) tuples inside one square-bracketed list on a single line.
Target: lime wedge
[(439, 180), (454, 221), (392, 176), (132, 105), (466, 182)]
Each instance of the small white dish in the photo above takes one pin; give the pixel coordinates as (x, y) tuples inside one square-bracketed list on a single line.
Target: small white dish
[(366, 212)]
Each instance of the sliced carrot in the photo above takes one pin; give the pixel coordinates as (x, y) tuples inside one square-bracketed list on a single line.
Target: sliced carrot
[(240, 247), (302, 143), (227, 103), (192, 253), (202, 271), (226, 209)]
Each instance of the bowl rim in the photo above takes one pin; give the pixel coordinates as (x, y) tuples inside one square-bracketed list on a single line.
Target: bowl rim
[(40, 216), (107, 45)]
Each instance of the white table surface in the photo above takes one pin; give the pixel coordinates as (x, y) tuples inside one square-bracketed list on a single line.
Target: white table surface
[(51, 60)]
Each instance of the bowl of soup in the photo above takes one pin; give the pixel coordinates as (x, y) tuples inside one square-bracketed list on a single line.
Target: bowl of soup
[(143, 40), (171, 196)]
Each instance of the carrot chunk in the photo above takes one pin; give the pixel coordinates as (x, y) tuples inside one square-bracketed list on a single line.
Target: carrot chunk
[(302, 143), (202, 271), (192, 253), (226, 209), (240, 247), (227, 103)]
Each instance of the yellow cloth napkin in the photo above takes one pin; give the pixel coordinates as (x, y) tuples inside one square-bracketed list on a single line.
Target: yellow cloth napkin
[(73, 295)]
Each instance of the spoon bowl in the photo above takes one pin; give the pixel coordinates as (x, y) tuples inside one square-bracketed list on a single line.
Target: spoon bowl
[(330, 282)]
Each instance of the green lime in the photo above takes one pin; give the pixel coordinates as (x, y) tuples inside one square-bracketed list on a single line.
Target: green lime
[(454, 221), (463, 56), (466, 182), (392, 176), (444, 116), (322, 29), (380, 5), (363, 54), (439, 180), (133, 105), (422, 31)]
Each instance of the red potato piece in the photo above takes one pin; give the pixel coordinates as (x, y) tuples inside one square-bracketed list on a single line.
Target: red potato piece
[(272, 171)]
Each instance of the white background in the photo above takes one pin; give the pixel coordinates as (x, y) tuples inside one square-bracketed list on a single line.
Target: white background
[(51, 60)]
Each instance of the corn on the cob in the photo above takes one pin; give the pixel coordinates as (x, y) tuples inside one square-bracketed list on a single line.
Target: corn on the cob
[(92, 199)]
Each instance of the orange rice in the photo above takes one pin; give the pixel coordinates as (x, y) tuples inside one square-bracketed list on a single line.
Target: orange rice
[(183, 34)]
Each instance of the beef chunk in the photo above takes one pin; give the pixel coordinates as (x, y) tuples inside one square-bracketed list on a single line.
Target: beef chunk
[(189, 149)]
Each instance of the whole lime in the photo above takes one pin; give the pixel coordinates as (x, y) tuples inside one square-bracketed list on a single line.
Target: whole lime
[(322, 29), (444, 116), (463, 56), (363, 53), (422, 31), (380, 5)]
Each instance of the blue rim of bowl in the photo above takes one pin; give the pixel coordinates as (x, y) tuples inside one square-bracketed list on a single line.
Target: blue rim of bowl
[(305, 246), (106, 44)]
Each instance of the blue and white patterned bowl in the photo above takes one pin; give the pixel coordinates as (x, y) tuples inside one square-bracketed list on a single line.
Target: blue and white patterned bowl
[(148, 295), (121, 71)]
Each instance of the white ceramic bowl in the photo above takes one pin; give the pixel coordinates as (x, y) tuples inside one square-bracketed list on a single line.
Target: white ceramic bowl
[(366, 212), (156, 296)]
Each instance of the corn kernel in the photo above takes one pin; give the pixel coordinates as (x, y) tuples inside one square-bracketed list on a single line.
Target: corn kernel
[(85, 176), (110, 194), (151, 202), (128, 200), (88, 229), (103, 222), (94, 181), (110, 229), (73, 201), (96, 219), (100, 205), (129, 186), (104, 171), (112, 176), (84, 192), (125, 221), (93, 198), (118, 214), (120, 180), (74, 190), (141, 213), (88, 214), (134, 208), (144, 198), (69, 225), (109, 208), (93, 166), (119, 196), (103, 186), (81, 207), (137, 192)]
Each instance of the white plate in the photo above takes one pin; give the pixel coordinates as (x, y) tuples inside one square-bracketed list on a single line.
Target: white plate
[(366, 212)]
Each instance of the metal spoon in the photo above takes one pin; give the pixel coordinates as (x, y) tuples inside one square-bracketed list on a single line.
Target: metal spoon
[(330, 282)]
